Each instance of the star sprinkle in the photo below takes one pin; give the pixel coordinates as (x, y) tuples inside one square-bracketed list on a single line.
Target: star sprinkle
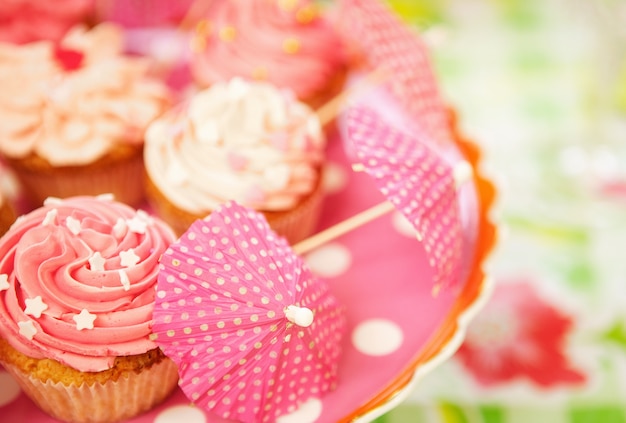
[(50, 218), (35, 306), (27, 329), (84, 320), (129, 258), (96, 262), (138, 223), (106, 197), (52, 201), (124, 280), (4, 282), (73, 225), (119, 229)]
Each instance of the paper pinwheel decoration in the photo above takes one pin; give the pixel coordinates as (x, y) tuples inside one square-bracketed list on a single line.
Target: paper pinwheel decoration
[(254, 332)]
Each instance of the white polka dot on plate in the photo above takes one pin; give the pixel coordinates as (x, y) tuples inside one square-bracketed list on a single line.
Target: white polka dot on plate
[(377, 337), (329, 260), (402, 225), (9, 389), (306, 413), (181, 413), (335, 178)]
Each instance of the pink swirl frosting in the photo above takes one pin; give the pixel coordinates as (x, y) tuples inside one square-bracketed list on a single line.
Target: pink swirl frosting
[(287, 43), (70, 104), (25, 21), (77, 281)]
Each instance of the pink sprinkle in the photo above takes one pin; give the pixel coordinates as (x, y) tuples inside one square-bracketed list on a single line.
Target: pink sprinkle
[(237, 162), (280, 140)]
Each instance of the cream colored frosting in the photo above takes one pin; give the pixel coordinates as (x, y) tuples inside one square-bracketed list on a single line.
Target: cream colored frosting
[(248, 142), (77, 281), (72, 114), (286, 43)]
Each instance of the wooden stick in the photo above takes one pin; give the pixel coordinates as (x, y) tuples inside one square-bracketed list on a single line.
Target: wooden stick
[(330, 109), (343, 227)]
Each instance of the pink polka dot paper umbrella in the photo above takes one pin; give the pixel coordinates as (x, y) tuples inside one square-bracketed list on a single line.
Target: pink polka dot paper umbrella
[(420, 184), (417, 180), (253, 331), (394, 48)]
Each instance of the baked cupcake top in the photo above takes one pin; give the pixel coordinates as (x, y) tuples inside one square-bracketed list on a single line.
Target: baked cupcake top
[(25, 21), (243, 141), (69, 103), (77, 281), (285, 42)]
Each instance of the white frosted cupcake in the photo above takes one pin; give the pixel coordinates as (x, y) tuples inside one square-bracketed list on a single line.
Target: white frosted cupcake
[(242, 141)]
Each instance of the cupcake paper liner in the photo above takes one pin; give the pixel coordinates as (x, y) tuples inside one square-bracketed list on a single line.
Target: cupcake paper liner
[(295, 224), (122, 177), (130, 395)]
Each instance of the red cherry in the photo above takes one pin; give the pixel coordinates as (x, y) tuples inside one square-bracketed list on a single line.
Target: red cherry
[(69, 59)]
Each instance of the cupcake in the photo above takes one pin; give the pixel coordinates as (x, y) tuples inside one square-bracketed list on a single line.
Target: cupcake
[(74, 115), (244, 141), (77, 292), (286, 43), (25, 21)]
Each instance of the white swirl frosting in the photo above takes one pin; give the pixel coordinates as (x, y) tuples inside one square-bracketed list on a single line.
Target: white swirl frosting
[(243, 141), (73, 114)]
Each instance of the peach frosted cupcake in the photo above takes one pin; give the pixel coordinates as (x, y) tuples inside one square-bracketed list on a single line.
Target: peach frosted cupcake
[(77, 291), (289, 44), (75, 113), (243, 141)]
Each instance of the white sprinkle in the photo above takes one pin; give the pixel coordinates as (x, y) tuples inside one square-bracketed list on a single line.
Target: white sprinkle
[(124, 280), (52, 201), (4, 282), (84, 320), (137, 225), (35, 306), (96, 262), (73, 225), (119, 229), (105, 197), (27, 329), (129, 258), (50, 217)]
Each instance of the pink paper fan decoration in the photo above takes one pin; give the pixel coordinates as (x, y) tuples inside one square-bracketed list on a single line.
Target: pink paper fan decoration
[(391, 45), (418, 182), (254, 332)]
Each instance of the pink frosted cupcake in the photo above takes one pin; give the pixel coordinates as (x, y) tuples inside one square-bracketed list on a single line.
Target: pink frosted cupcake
[(74, 115), (77, 291), (242, 141), (25, 21), (287, 43)]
